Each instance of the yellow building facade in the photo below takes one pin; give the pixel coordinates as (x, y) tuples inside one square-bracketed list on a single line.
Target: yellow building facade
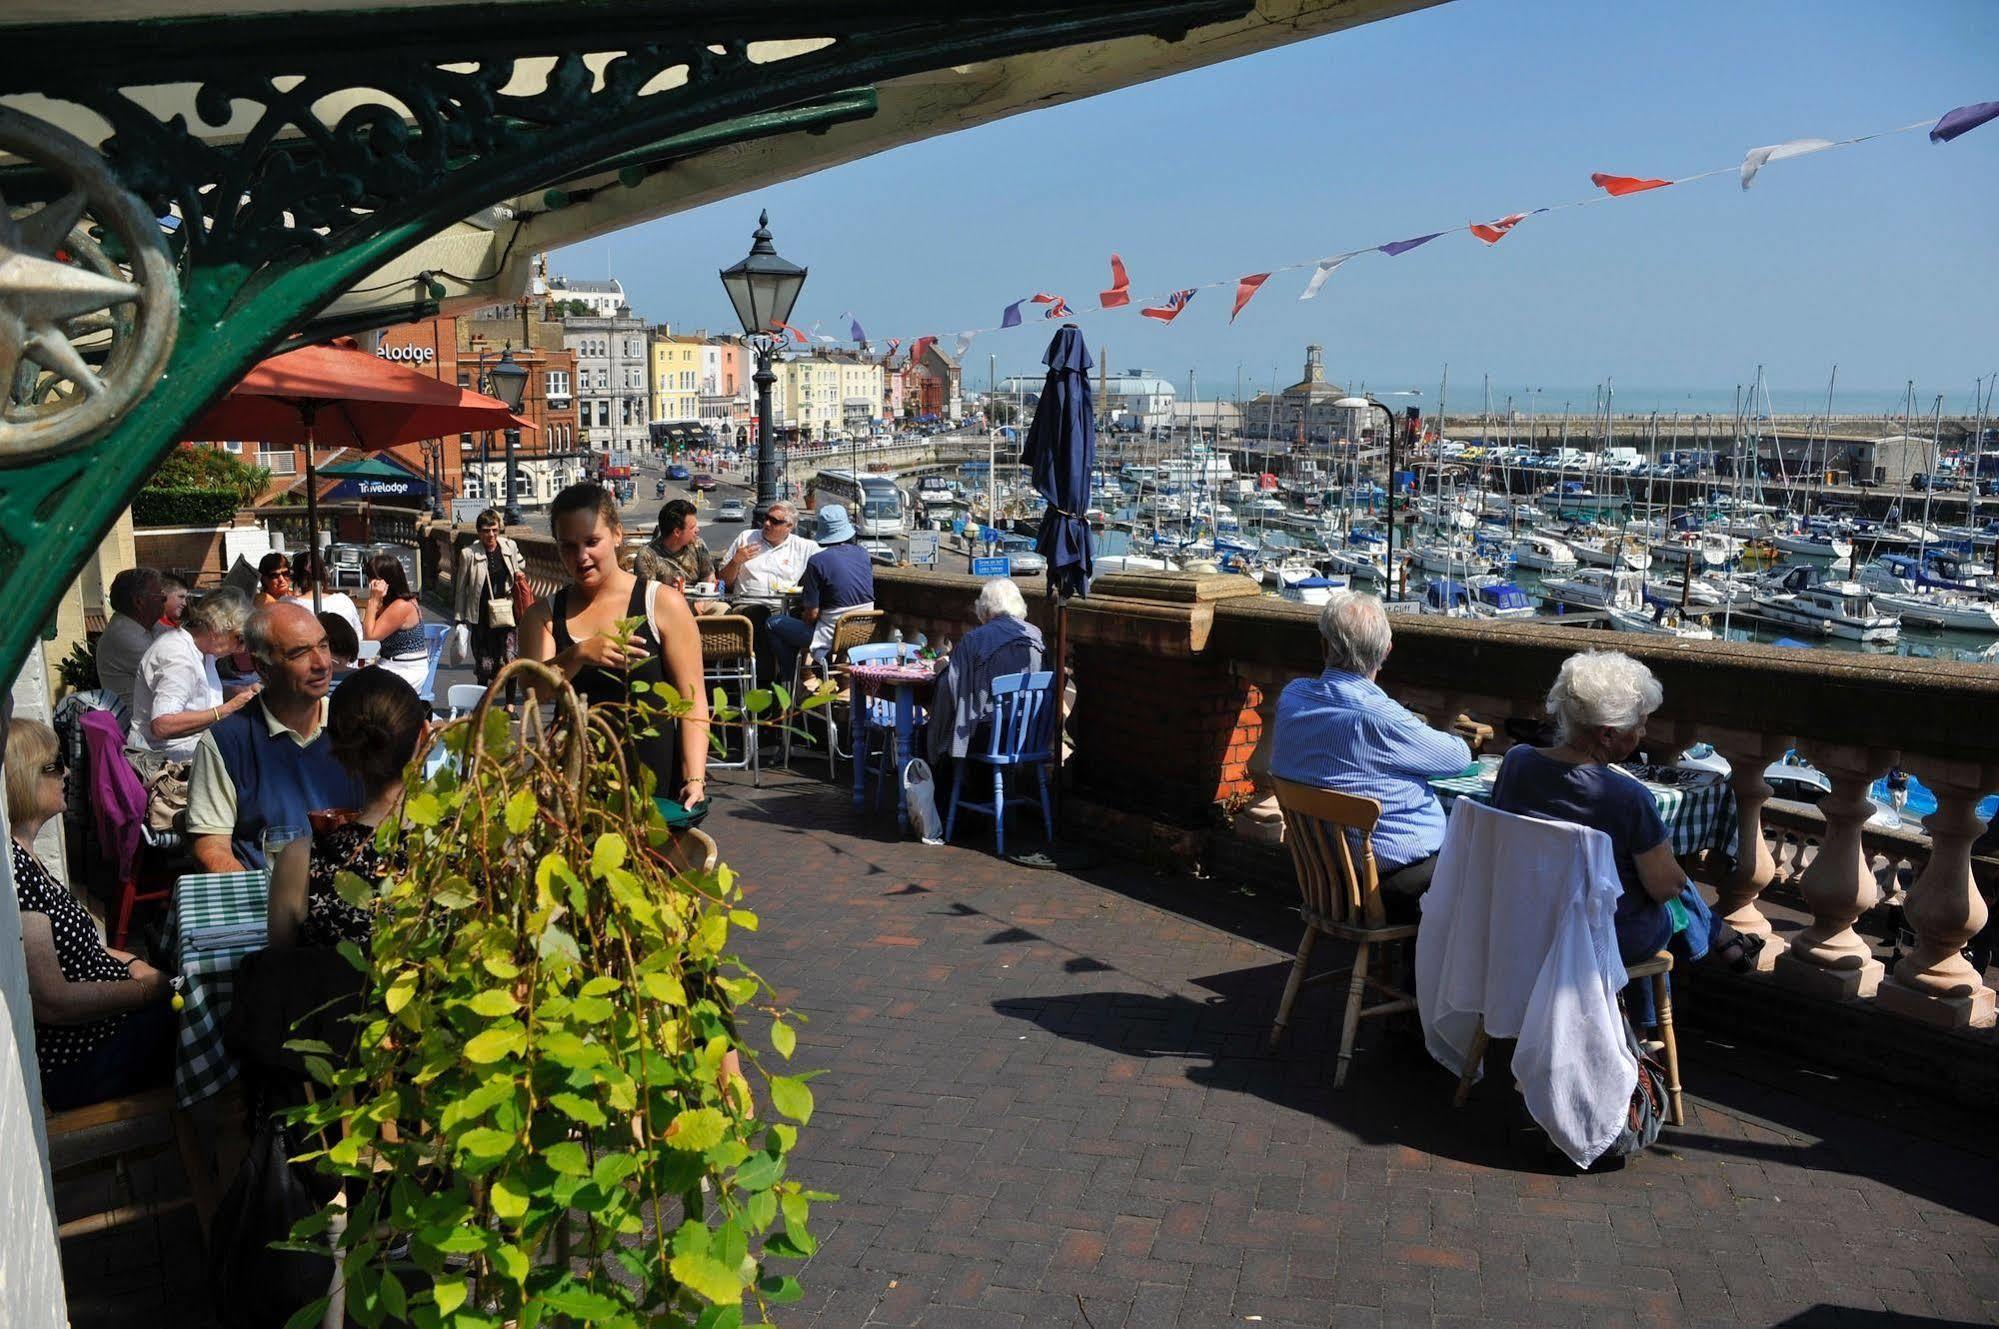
[(676, 377), (827, 396)]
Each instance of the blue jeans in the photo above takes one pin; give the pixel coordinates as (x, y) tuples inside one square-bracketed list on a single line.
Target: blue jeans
[(790, 636), (1645, 932)]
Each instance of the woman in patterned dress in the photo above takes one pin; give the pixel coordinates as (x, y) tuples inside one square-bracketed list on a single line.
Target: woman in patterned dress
[(375, 723), (103, 1028)]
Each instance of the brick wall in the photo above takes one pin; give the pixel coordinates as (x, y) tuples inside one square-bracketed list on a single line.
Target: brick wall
[(176, 549), (1169, 736)]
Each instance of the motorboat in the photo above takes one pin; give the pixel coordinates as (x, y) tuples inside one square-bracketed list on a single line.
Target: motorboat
[(1480, 597), (1812, 540), (1595, 588), (1542, 553), (1660, 621), (1841, 609), (1447, 556), (1312, 590), (1703, 548), (1703, 592), (1940, 609), (1606, 549)]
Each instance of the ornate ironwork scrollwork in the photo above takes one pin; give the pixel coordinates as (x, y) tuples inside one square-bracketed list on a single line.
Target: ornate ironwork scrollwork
[(82, 336)]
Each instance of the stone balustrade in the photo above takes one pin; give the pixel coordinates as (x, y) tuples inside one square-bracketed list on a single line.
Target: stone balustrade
[(1176, 678)]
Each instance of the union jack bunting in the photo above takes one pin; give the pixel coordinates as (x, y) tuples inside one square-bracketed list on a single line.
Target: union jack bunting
[(1169, 311), (1057, 306)]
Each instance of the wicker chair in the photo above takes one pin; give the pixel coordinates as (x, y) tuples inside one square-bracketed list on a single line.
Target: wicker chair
[(1332, 852), (854, 629), (729, 660)]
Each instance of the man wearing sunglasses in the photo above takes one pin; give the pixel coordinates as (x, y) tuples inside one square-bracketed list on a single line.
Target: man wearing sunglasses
[(759, 567), (268, 764)]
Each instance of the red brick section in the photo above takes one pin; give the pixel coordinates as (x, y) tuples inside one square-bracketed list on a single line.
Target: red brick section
[(1170, 736)]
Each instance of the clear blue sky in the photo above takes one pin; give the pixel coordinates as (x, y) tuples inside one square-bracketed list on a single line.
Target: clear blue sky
[(1882, 258)]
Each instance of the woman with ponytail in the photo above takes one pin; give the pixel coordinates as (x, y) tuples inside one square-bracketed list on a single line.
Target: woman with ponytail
[(374, 724)]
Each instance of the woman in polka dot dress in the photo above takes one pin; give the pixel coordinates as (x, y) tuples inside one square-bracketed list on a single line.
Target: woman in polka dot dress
[(103, 1028)]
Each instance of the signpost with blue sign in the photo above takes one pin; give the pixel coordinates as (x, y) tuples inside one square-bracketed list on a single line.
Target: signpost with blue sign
[(992, 567)]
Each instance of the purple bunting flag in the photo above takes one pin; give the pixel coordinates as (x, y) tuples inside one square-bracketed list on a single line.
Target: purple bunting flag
[(1011, 319), (1404, 246), (1963, 120)]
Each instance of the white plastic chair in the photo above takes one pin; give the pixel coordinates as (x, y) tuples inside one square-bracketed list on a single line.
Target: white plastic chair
[(370, 650), (460, 698)]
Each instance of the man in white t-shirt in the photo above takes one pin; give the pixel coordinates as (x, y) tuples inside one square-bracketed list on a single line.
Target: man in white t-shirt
[(759, 561), (756, 564), (137, 596)]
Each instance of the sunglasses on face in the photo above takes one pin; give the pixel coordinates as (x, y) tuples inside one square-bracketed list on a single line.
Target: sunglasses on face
[(777, 521)]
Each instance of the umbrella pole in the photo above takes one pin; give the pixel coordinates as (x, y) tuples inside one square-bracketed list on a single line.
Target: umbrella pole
[(1061, 692), (312, 509)]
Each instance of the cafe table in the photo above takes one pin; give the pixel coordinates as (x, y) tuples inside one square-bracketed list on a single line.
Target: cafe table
[(906, 681), (217, 919), (1696, 806)]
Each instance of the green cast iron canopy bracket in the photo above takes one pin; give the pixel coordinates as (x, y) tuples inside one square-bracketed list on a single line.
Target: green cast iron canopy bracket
[(272, 225)]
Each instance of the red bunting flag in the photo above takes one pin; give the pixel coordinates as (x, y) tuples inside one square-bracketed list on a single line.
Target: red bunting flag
[(1120, 291), (786, 330), (1169, 311), (918, 347), (1493, 232), (1057, 306), (1619, 185), (1245, 290)]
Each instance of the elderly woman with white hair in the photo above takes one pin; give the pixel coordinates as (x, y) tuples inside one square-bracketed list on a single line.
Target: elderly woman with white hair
[(1003, 643), (1600, 703)]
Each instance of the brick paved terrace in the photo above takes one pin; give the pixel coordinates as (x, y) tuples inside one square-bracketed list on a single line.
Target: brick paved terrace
[(1048, 1103)]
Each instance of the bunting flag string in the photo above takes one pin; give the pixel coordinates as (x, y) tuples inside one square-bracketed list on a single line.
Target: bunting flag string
[(1171, 310), (1951, 125), (854, 331), (1245, 291), (1326, 268), (1493, 232), (1120, 291)]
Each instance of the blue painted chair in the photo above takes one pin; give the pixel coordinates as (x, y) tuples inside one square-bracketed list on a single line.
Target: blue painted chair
[(881, 710), (433, 645), (1019, 733)]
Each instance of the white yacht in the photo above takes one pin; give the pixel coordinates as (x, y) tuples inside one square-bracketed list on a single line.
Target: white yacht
[(1706, 548), (1445, 557), (1658, 621), (1607, 549), (1841, 609), (1542, 553), (1596, 588)]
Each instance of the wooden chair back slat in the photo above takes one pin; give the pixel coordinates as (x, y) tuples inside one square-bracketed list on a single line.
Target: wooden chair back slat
[(1331, 837)]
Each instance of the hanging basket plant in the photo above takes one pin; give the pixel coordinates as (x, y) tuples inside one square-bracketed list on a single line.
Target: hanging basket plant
[(553, 1114)]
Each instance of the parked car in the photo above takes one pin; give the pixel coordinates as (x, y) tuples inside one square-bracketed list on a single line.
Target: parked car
[(676, 472), (702, 483), (881, 551), (732, 509)]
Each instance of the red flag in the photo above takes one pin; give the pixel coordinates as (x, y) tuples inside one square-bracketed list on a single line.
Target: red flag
[(787, 330), (1169, 311), (1245, 290), (1120, 291), (1619, 185), (1493, 232), (1057, 306), (919, 346)]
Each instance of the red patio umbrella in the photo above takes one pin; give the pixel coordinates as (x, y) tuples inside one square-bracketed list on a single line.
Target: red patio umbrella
[(341, 395)]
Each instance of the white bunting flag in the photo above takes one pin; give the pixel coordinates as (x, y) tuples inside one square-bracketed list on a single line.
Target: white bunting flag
[(1319, 275), (1758, 158)]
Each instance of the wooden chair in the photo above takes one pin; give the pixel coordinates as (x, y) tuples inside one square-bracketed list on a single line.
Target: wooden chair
[(729, 660), (1341, 893), (856, 628), (1657, 969), (116, 1133)]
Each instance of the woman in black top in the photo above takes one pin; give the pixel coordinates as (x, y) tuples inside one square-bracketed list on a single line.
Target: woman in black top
[(576, 632), (374, 724), (102, 1025)]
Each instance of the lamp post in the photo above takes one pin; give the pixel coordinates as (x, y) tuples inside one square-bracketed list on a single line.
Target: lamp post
[(763, 288), (1394, 460), (510, 383)]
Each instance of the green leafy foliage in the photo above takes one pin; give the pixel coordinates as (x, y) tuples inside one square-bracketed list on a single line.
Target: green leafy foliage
[(183, 507), (552, 1108)]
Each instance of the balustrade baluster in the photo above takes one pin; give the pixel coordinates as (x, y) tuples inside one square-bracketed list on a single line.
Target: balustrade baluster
[(1828, 958), (1933, 981), (1755, 866)]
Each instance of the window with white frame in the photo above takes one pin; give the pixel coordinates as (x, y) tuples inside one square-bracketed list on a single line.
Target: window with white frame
[(557, 383)]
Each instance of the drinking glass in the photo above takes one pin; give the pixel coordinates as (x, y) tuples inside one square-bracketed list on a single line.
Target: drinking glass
[(275, 838)]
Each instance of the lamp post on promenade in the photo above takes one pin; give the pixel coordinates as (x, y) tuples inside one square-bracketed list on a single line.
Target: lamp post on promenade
[(763, 288), (510, 386)]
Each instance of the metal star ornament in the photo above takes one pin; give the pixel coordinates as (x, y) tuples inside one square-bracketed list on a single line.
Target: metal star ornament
[(40, 293)]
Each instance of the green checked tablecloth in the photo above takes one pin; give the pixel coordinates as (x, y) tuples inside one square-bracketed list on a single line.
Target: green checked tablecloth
[(218, 918), (1698, 815)]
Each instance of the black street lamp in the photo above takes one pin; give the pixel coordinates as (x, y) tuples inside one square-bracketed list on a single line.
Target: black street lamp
[(510, 383), (1394, 460), (763, 288)]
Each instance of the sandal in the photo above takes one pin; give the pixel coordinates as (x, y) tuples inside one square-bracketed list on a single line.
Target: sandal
[(1735, 951)]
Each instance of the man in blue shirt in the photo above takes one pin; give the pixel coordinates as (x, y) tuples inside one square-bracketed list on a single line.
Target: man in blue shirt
[(839, 578), (1339, 731)]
